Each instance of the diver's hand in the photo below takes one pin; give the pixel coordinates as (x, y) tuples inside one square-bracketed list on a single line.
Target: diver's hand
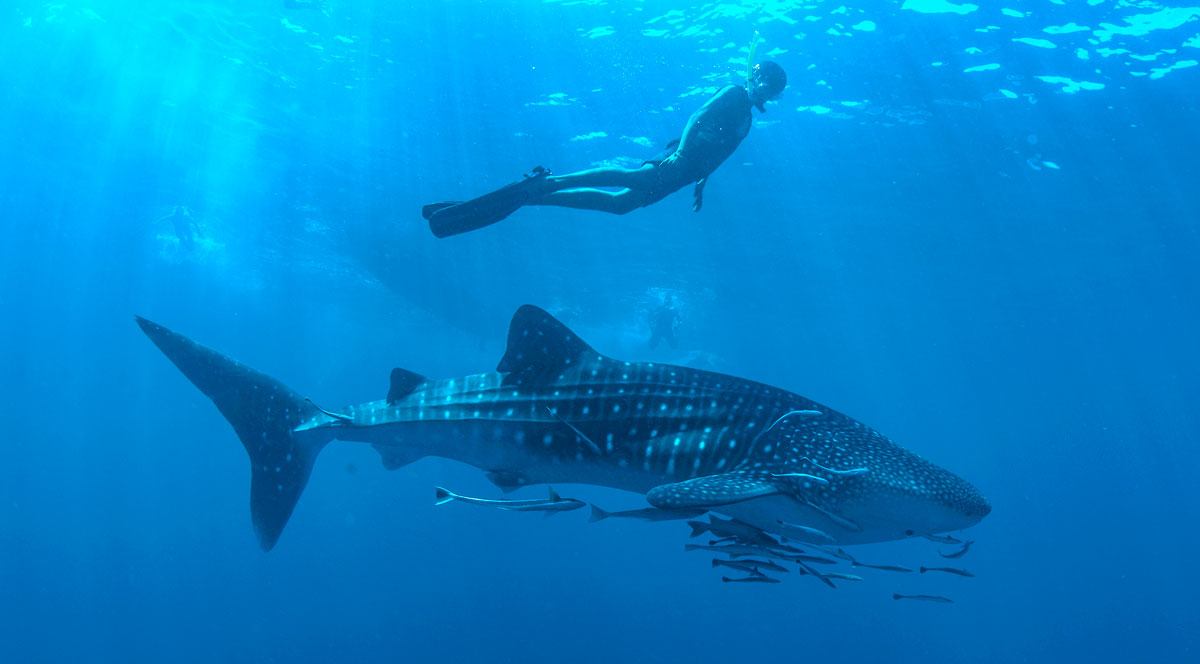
[(698, 195)]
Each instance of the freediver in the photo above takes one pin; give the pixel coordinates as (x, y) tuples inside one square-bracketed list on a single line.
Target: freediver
[(186, 227), (662, 324), (711, 135)]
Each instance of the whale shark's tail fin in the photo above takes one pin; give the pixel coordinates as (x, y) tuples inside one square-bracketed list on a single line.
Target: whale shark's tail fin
[(264, 412)]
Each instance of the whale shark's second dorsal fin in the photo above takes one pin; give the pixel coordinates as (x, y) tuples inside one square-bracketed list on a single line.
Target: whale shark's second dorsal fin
[(540, 347)]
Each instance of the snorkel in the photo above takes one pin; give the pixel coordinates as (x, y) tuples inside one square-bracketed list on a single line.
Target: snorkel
[(750, 57), (754, 42)]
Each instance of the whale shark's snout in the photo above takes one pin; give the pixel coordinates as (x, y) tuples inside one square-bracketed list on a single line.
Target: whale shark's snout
[(918, 496)]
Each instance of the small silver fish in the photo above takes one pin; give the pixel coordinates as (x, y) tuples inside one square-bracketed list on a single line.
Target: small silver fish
[(750, 579), (948, 570), (926, 598), (886, 568), (749, 565), (555, 503), (960, 553), (646, 514)]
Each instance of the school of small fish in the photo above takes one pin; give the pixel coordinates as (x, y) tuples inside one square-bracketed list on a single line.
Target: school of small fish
[(745, 548)]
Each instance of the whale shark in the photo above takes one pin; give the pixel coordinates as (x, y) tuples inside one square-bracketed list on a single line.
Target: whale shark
[(557, 411)]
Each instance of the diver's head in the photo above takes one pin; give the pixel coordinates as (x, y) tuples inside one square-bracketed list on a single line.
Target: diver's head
[(765, 82)]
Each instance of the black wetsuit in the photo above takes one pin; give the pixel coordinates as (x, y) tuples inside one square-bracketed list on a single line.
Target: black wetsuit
[(712, 134)]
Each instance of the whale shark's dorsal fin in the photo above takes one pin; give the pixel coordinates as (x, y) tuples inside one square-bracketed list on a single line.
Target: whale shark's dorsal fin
[(403, 383), (540, 347)]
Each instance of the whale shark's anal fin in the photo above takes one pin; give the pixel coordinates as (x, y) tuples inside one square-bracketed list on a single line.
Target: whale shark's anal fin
[(265, 414), (711, 491), (394, 457), (541, 348), (507, 480)]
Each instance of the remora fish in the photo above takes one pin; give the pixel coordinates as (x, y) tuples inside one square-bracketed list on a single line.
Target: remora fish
[(750, 566), (940, 539), (886, 568), (732, 528), (645, 514), (806, 534), (960, 553), (736, 550), (926, 598), (556, 411), (761, 578), (555, 503), (948, 570), (845, 577)]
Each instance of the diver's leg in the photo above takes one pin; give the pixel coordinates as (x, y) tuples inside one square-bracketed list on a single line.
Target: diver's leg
[(643, 177), (672, 341), (613, 202)]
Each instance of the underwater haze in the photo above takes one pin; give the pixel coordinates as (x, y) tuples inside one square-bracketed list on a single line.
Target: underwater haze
[(974, 228)]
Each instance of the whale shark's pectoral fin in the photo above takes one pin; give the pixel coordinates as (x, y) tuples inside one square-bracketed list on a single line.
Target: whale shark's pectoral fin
[(540, 348), (402, 384), (711, 491)]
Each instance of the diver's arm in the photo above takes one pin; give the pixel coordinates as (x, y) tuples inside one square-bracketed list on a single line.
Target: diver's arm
[(698, 195), (711, 108)]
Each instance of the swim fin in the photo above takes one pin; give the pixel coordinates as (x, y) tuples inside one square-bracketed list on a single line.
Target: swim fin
[(427, 211), (488, 208)]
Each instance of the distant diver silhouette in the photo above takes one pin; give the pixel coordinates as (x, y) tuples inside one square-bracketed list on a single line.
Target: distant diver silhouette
[(662, 324), (185, 226)]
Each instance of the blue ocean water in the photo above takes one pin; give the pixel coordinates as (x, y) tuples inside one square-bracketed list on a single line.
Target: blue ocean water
[(972, 227)]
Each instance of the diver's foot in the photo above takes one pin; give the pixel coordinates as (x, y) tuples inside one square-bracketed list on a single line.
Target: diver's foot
[(537, 181)]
